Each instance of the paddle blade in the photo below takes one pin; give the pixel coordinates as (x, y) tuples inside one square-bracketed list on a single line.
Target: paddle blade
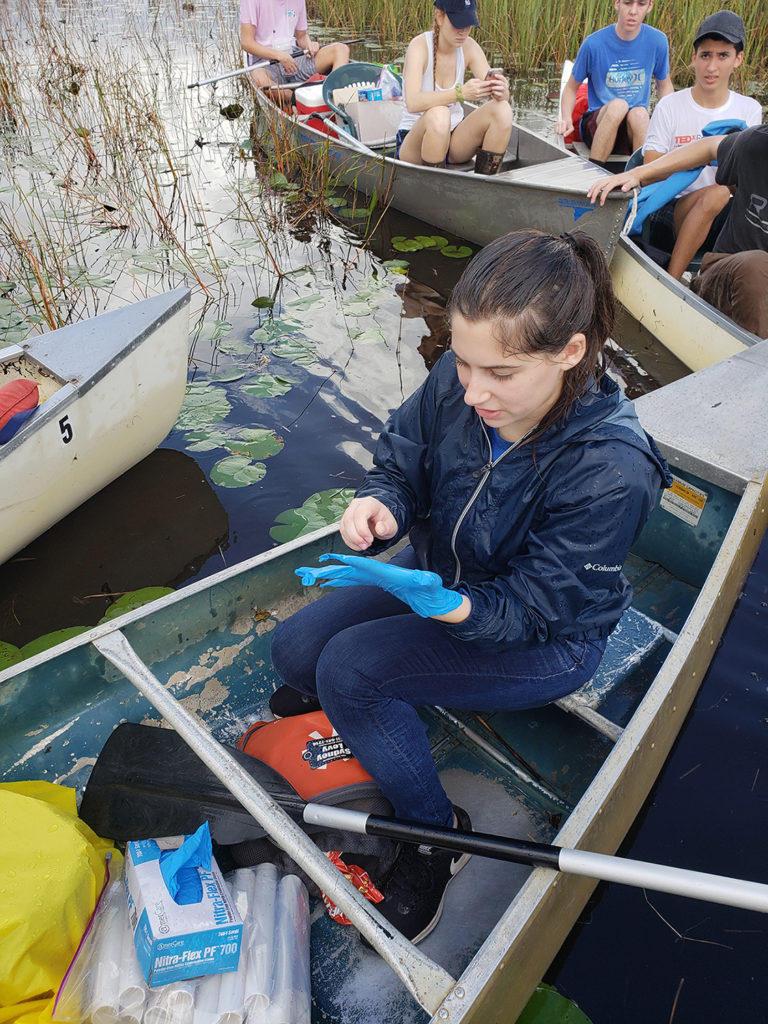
[(147, 783)]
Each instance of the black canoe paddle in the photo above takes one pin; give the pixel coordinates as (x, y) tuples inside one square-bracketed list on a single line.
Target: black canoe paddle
[(147, 782)]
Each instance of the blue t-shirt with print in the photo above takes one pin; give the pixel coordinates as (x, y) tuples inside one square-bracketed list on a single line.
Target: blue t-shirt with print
[(621, 69)]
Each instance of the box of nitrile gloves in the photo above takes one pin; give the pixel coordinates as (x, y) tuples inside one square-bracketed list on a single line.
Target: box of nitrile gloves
[(175, 941)]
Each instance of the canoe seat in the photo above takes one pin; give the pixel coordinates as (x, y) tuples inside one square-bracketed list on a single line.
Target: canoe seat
[(635, 637)]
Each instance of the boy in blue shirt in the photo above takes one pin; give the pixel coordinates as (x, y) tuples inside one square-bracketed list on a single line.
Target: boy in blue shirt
[(618, 62)]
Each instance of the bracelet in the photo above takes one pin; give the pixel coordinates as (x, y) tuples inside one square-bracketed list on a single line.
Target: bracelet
[(459, 94)]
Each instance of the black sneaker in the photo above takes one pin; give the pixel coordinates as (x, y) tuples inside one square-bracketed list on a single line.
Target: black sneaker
[(414, 889), (286, 702)]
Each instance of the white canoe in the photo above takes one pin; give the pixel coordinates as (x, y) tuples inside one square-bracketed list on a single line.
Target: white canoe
[(693, 331), (110, 390)]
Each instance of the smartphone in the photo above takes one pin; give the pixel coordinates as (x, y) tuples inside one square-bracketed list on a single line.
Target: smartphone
[(494, 72)]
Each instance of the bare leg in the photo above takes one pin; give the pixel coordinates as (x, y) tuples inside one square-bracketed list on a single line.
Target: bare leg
[(428, 140), (330, 57), (283, 97), (638, 120), (488, 127), (694, 214), (609, 120)]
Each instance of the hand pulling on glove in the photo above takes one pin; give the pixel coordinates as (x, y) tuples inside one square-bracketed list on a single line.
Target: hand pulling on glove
[(423, 591)]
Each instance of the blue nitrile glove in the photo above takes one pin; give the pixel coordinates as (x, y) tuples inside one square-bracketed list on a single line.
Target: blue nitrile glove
[(179, 867), (423, 591)]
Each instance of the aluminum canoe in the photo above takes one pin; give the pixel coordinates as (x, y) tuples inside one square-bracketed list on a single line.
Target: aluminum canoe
[(111, 389), (540, 185), (593, 758)]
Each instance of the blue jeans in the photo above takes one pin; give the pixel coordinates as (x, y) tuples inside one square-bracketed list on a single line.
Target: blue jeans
[(371, 661)]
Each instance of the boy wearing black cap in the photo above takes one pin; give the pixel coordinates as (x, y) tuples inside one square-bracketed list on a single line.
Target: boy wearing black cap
[(618, 62), (694, 218), (435, 127), (734, 277)]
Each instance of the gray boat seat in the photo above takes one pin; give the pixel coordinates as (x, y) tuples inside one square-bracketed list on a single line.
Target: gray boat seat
[(635, 637)]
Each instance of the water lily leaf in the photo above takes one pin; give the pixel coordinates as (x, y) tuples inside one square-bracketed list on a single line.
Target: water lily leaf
[(237, 471), (43, 643), (334, 202), (456, 252), (133, 599), (320, 509), (348, 211), (263, 302), (228, 375), (430, 241), (205, 440), (204, 404), (547, 1006), (406, 244), (305, 301), (397, 266), (259, 444), (245, 245), (296, 351), (235, 346), (9, 655), (357, 308), (275, 330), (212, 330), (267, 385), (370, 336)]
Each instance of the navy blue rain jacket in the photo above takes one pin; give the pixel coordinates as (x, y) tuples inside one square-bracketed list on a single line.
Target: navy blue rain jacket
[(536, 538)]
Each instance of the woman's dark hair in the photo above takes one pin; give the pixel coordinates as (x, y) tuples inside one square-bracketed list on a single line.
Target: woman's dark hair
[(538, 291)]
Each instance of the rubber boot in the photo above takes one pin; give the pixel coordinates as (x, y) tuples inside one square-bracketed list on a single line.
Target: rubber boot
[(487, 162)]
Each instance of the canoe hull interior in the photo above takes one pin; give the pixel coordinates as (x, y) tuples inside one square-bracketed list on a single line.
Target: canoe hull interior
[(119, 397)]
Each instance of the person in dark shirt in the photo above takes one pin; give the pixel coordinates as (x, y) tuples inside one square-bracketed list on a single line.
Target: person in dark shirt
[(734, 276)]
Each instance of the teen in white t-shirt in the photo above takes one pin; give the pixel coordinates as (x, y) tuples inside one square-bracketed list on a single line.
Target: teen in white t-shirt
[(679, 118)]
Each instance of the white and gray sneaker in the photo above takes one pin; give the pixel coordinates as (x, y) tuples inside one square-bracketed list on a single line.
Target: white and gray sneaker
[(414, 888)]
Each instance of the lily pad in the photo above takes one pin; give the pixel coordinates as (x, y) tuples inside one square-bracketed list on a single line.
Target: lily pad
[(203, 405), (9, 655), (43, 643), (263, 302), (237, 471), (397, 266), (228, 375), (267, 385), (320, 509), (402, 244), (305, 301), (205, 440), (256, 444), (296, 351), (134, 599), (456, 252), (547, 1006), (213, 330), (370, 336)]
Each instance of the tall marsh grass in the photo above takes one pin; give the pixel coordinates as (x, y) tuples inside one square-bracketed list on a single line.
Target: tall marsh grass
[(528, 34)]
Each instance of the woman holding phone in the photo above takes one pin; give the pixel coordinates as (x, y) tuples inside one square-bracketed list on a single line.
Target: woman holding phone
[(435, 130)]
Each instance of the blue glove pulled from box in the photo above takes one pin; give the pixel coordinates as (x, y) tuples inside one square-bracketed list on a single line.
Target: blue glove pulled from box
[(423, 591)]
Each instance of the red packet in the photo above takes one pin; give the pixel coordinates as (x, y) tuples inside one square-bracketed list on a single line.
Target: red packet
[(359, 878)]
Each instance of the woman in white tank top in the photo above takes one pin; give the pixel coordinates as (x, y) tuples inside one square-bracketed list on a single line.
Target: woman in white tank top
[(434, 128)]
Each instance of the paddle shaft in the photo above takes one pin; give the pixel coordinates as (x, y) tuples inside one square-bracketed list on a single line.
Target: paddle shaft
[(732, 892), (253, 67)]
